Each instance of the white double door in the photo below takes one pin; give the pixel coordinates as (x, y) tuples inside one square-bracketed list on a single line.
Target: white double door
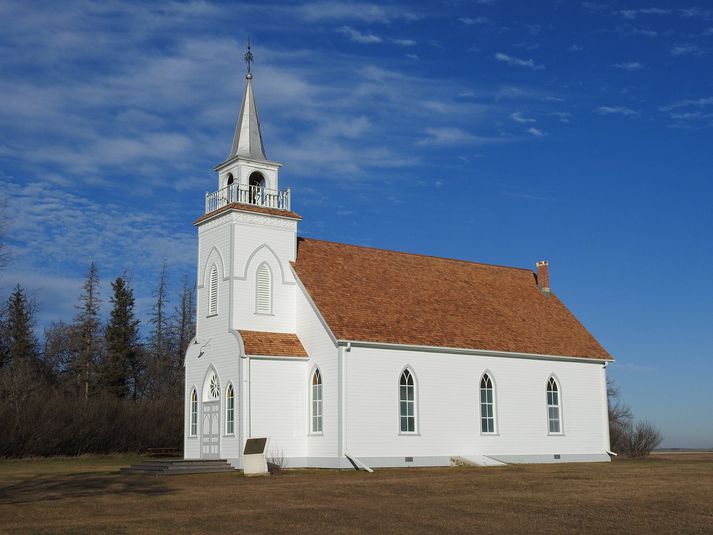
[(210, 430)]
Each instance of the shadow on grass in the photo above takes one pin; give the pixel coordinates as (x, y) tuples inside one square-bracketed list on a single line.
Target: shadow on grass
[(79, 485)]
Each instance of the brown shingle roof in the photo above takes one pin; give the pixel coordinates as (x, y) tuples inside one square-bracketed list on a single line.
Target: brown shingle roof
[(374, 295), (272, 344), (241, 207)]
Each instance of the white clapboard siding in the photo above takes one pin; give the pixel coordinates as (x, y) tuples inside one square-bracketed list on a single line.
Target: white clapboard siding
[(263, 297), (213, 292)]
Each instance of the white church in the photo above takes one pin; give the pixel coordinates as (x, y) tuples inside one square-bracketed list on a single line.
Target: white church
[(394, 359)]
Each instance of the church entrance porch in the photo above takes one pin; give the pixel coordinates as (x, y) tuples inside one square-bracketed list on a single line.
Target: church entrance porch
[(210, 430)]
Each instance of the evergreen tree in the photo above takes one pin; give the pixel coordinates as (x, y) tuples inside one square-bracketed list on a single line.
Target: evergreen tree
[(86, 334), (120, 370), (20, 345), (159, 353), (21, 374)]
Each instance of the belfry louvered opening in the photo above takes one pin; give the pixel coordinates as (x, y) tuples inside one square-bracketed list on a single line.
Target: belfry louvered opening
[(263, 290), (213, 291)]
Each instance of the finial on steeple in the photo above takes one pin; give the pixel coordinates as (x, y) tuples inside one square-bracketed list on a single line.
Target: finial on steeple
[(249, 60)]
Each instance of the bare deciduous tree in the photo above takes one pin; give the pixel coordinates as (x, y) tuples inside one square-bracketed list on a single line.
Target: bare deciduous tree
[(642, 438)]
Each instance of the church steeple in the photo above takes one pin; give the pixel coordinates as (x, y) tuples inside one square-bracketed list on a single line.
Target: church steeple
[(247, 141), (246, 175)]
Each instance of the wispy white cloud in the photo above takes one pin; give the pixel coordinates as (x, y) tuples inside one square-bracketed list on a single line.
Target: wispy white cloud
[(629, 31), (366, 12), (536, 132), (575, 48), (634, 13), (453, 136), (563, 116), (616, 110), (359, 37), (697, 102), (629, 66), (518, 117), (474, 20), (518, 62), (686, 50), (404, 42)]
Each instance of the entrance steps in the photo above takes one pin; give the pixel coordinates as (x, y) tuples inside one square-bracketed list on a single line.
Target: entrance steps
[(178, 466)]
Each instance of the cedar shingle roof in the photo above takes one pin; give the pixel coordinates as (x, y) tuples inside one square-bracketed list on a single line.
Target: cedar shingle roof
[(374, 295), (272, 344)]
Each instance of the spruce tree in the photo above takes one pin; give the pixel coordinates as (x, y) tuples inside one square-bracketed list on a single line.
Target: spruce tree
[(159, 342), (120, 370), (20, 342), (86, 334)]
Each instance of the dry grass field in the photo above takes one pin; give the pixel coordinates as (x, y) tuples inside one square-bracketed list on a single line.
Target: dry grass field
[(87, 495)]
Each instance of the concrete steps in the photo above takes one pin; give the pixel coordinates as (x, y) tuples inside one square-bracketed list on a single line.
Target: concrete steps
[(178, 466)]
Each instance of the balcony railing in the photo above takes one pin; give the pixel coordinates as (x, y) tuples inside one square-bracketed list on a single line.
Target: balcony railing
[(255, 195)]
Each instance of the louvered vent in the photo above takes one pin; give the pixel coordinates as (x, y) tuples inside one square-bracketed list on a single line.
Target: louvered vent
[(213, 292), (263, 297)]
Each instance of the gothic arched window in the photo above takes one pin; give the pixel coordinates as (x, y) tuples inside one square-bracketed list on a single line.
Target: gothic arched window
[(487, 405), (407, 402), (194, 413), (554, 416), (316, 401), (230, 410)]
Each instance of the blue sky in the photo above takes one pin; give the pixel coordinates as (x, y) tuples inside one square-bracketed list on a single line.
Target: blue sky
[(491, 130)]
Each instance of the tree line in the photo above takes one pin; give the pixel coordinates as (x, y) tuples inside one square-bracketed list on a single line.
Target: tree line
[(94, 386)]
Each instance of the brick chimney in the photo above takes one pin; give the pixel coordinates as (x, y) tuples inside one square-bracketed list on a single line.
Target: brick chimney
[(543, 277)]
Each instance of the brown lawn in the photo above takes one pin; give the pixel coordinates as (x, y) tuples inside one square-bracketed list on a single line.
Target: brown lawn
[(88, 495)]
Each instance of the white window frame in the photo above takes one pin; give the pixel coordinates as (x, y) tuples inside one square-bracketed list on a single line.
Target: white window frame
[(412, 402), (213, 284), (258, 310), (316, 396), (230, 422), (193, 422), (482, 404), (556, 406)]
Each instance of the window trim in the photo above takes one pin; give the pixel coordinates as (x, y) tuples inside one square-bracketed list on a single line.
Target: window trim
[(270, 306), (213, 311), (494, 403), (416, 428), (311, 386), (558, 385), (193, 400), (230, 388)]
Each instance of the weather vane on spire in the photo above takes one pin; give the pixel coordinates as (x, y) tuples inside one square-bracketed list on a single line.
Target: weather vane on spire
[(249, 60)]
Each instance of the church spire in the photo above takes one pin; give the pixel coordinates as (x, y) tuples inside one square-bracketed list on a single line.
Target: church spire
[(247, 140)]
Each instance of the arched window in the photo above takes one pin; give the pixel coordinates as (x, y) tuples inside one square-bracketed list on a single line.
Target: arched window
[(213, 291), (263, 290), (487, 405), (194, 413), (231, 193), (230, 410), (407, 402), (553, 407), (256, 186), (316, 402)]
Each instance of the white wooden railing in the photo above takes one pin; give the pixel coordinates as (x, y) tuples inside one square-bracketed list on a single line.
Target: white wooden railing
[(240, 193)]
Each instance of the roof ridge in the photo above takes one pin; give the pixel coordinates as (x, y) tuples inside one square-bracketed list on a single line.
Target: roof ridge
[(500, 266)]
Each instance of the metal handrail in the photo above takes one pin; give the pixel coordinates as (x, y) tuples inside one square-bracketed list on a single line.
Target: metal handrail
[(245, 194)]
